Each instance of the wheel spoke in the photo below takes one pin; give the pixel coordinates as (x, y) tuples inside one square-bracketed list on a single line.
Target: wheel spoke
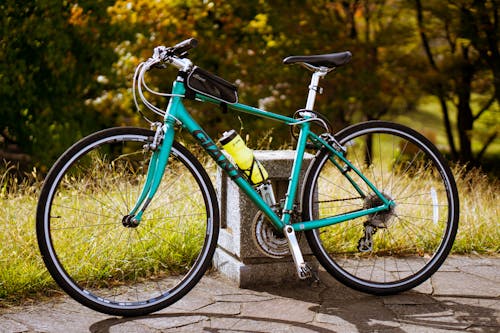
[(407, 170), (123, 270)]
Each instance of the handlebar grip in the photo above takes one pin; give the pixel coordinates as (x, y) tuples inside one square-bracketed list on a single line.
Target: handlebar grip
[(184, 46)]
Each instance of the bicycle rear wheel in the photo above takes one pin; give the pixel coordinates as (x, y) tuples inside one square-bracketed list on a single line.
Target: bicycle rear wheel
[(106, 266), (394, 250)]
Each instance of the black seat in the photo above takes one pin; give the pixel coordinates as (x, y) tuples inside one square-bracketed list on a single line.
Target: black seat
[(321, 60)]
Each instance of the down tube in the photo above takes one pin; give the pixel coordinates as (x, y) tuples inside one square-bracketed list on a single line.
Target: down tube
[(211, 148)]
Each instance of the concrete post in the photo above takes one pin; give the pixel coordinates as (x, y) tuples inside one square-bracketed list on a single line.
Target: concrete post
[(237, 256)]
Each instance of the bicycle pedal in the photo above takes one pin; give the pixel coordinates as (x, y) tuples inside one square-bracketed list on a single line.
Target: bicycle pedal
[(305, 272), (313, 279)]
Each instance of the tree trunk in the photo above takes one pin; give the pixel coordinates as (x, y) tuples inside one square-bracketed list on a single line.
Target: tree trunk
[(487, 44), (440, 89), (447, 123), (465, 118)]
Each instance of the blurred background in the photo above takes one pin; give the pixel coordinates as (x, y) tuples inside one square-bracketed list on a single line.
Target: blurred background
[(66, 68)]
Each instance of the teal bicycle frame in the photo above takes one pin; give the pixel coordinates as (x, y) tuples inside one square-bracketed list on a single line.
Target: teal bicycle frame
[(177, 114)]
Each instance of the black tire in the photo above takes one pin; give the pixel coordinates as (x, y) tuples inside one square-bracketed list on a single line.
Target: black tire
[(118, 270), (411, 240)]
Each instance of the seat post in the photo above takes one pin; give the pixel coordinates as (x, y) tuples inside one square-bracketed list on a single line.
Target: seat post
[(314, 87)]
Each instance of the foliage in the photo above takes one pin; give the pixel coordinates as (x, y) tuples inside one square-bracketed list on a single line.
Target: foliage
[(51, 53), (462, 47), (66, 67), (246, 42)]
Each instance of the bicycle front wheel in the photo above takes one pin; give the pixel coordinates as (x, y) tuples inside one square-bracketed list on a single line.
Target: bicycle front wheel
[(99, 260), (389, 251)]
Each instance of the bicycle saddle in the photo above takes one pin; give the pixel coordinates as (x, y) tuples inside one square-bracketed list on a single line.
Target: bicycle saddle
[(321, 60)]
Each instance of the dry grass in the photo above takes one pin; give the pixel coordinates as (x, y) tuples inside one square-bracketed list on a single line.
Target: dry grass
[(22, 272)]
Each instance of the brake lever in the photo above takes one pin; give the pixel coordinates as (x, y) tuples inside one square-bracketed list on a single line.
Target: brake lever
[(162, 53), (184, 55)]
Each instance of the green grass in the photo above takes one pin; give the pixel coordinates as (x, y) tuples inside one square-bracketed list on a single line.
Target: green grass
[(21, 269), (23, 275), (88, 236), (479, 229)]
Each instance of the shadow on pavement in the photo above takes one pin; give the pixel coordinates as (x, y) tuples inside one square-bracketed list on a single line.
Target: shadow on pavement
[(335, 308)]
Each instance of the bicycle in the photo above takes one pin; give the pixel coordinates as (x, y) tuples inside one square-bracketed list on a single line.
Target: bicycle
[(128, 219)]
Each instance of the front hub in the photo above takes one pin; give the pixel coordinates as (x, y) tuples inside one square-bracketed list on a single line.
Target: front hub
[(129, 221)]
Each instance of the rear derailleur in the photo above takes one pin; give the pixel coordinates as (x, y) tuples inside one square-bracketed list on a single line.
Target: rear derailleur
[(365, 243)]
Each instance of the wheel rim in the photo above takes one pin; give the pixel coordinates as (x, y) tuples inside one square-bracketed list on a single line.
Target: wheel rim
[(99, 259), (410, 240)]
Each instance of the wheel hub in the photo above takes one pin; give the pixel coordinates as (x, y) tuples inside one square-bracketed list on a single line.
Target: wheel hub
[(129, 221), (379, 219)]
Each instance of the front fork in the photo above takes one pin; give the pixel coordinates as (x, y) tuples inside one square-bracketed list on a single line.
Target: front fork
[(161, 147)]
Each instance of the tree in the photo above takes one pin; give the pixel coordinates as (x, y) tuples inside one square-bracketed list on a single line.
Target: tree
[(460, 39), (51, 54), (66, 68), (246, 42)]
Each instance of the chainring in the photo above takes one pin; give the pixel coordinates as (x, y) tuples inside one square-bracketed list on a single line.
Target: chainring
[(267, 239)]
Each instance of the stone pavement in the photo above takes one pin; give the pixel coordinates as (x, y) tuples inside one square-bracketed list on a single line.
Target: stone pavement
[(463, 296)]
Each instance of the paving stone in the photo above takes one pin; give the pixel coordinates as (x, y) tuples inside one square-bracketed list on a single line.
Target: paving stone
[(170, 321), (283, 309), (465, 299), (54, 322), (224, 324), (221, 308), (192, 301), (366, 313), (114, 325), (335, 323), (129, 327), (10, 326), (261, 325), (244, 298), (457, 283), (488, 272), (487, 304), (201, 326), (424, 288), (475, 312), (299, 291), (429, 314), (409, 328), (408, 299)]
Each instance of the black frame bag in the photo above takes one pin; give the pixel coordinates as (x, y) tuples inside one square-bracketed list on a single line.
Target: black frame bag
[(208, 84)]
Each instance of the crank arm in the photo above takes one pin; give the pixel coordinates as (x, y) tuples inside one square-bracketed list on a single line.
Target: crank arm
[(303, 270)]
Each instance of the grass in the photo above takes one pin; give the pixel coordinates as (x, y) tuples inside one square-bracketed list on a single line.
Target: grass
[(24, 276), (88, 236), (479, 225), (479, 229), (21, 269)]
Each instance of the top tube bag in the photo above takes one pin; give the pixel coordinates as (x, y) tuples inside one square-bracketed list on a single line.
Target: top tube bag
[(208, 84)]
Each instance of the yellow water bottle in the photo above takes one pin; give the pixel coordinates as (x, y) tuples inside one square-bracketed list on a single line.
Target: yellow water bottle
[(243, 157)]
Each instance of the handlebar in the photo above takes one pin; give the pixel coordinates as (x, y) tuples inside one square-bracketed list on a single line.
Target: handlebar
[(184, 46), (174, 55)]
